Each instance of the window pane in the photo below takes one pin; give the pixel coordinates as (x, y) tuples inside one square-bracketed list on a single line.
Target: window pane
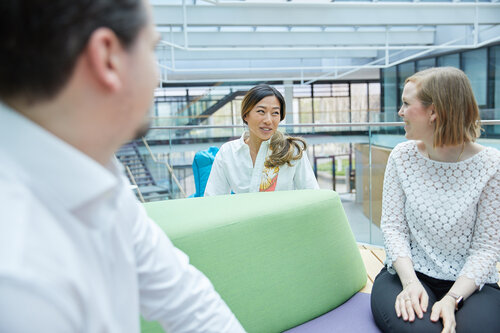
[(426, 63), (495, 65), (475, 66), (404, 71), (374, 102), (390, 91), (359, 102), (452, 60)]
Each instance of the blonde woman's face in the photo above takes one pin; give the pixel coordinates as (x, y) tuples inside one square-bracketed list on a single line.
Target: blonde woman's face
[(419, 120), (264, 118)]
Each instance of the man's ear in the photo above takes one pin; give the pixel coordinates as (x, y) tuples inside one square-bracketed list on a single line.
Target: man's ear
[(104, 53)]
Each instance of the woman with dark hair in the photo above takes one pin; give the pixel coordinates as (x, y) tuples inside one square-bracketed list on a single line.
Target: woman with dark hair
[(263, 159), (440, 215)]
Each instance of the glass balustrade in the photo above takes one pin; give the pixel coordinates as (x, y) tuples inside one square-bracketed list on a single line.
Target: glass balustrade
[(348, 158)]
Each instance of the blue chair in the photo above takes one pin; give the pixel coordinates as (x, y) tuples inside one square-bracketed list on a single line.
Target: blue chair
[(202, 165)]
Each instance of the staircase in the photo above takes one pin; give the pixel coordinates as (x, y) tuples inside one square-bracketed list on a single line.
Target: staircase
[(201, 112), (130, 157), (212, 109)]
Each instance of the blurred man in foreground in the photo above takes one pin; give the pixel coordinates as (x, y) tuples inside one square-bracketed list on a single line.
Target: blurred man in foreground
[(77, 252)]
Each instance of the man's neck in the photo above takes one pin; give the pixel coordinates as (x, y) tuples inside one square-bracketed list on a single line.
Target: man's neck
[(67, 126)]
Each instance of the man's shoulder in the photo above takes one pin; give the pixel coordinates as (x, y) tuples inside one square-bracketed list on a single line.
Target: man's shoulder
[(31, 269), (15, 199), (29, 228), (17, 211)]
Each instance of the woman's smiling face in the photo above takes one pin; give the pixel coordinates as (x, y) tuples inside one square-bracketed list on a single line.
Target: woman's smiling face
[(417, 117), (264, 118)]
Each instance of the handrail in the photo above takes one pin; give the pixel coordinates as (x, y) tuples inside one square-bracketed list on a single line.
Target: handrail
[(366, 124), (169, 168), (136, 187), (209, 90)]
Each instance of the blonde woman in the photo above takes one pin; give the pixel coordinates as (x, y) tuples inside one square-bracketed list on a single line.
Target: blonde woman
[(440, 215), (263, 159)]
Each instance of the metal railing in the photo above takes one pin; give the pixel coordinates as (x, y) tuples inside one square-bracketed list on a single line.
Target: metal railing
[(169, 168), (360, 124)]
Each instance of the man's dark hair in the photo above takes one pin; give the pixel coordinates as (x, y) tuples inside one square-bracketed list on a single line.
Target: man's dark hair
[(40, 41)]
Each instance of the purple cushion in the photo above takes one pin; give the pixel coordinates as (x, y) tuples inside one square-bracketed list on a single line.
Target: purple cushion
[(354, 315)]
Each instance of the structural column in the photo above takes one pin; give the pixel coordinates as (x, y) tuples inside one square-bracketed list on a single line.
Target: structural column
[(289, 102)]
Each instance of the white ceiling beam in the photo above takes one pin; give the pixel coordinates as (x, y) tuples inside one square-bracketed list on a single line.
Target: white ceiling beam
[(237, 39), (264, 54), (362, 74), (226, 65), (331, 14)]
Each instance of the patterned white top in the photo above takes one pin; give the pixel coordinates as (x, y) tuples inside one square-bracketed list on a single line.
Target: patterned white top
[(444, 216)]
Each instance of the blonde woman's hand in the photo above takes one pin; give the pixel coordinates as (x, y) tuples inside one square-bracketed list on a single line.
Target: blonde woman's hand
[(445, 309), (413, 300)]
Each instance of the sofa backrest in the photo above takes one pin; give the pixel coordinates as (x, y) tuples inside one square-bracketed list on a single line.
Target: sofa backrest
[(278, 259)]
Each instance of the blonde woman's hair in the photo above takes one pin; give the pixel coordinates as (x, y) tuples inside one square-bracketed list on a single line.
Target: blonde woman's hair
[(457, 113), (284, 148)]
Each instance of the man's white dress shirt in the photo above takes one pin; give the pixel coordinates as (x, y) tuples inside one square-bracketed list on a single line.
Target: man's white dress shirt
[(233, 171), (78, 252)]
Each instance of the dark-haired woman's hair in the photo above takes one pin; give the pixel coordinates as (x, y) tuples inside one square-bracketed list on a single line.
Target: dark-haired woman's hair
[(284, 148)]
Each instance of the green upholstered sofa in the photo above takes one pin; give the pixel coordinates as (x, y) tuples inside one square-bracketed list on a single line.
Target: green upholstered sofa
[(278, 259)]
